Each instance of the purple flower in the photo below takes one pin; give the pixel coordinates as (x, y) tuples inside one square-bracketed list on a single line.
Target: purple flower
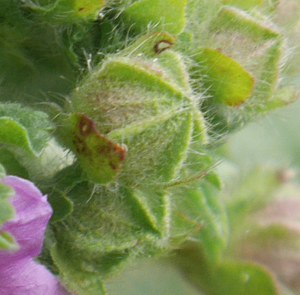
[(19, 273)]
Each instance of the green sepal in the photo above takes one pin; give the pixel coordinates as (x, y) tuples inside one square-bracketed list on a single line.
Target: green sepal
[(175, 68), (256, 42), (156, 46), (85, 8), (200, 13), (151, 93), (198, 212), (76, 280), (62, 183), (150, 207), (2, 171), (150, 114), (251, 34), (162, 140), (264, 6), (62, 206), (156, 15), (102, 221), (24, 129), (150, 45), (7, 212), (244, 4), (136, 72), (7, 242), (236, 20), (223, 78), (102, 234), (282, 97), (68, 10), (197, 163)]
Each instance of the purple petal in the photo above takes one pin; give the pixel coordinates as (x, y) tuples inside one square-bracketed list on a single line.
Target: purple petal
[(19, 273), (28, 226), (26, 277)]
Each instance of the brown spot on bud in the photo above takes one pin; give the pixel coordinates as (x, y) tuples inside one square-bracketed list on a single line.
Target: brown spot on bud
[(79, 144), (86, 126), (113, 166), (162, 45)]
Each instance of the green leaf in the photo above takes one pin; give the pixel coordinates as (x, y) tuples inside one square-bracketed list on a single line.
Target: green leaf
[(23, 128), (167, 15), (226, 278), (244, 199), (233, 277), (224, 78), (12, 165), (35, 56)]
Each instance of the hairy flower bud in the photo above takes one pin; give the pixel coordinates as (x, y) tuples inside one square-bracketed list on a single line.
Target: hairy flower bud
[(143, 105)]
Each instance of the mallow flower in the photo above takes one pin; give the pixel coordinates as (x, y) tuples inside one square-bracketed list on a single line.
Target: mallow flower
[(20, 274)]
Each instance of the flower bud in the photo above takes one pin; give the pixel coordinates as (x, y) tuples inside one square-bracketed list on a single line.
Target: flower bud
[(136, 102)]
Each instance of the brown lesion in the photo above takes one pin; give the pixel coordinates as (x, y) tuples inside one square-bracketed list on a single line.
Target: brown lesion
[(86, 126), (162, 45), (113, 166), (79, 144), (121, 150), (104, 147)]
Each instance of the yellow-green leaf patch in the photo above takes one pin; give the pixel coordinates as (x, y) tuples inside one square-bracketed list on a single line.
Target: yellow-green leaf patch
[(223, 77)]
